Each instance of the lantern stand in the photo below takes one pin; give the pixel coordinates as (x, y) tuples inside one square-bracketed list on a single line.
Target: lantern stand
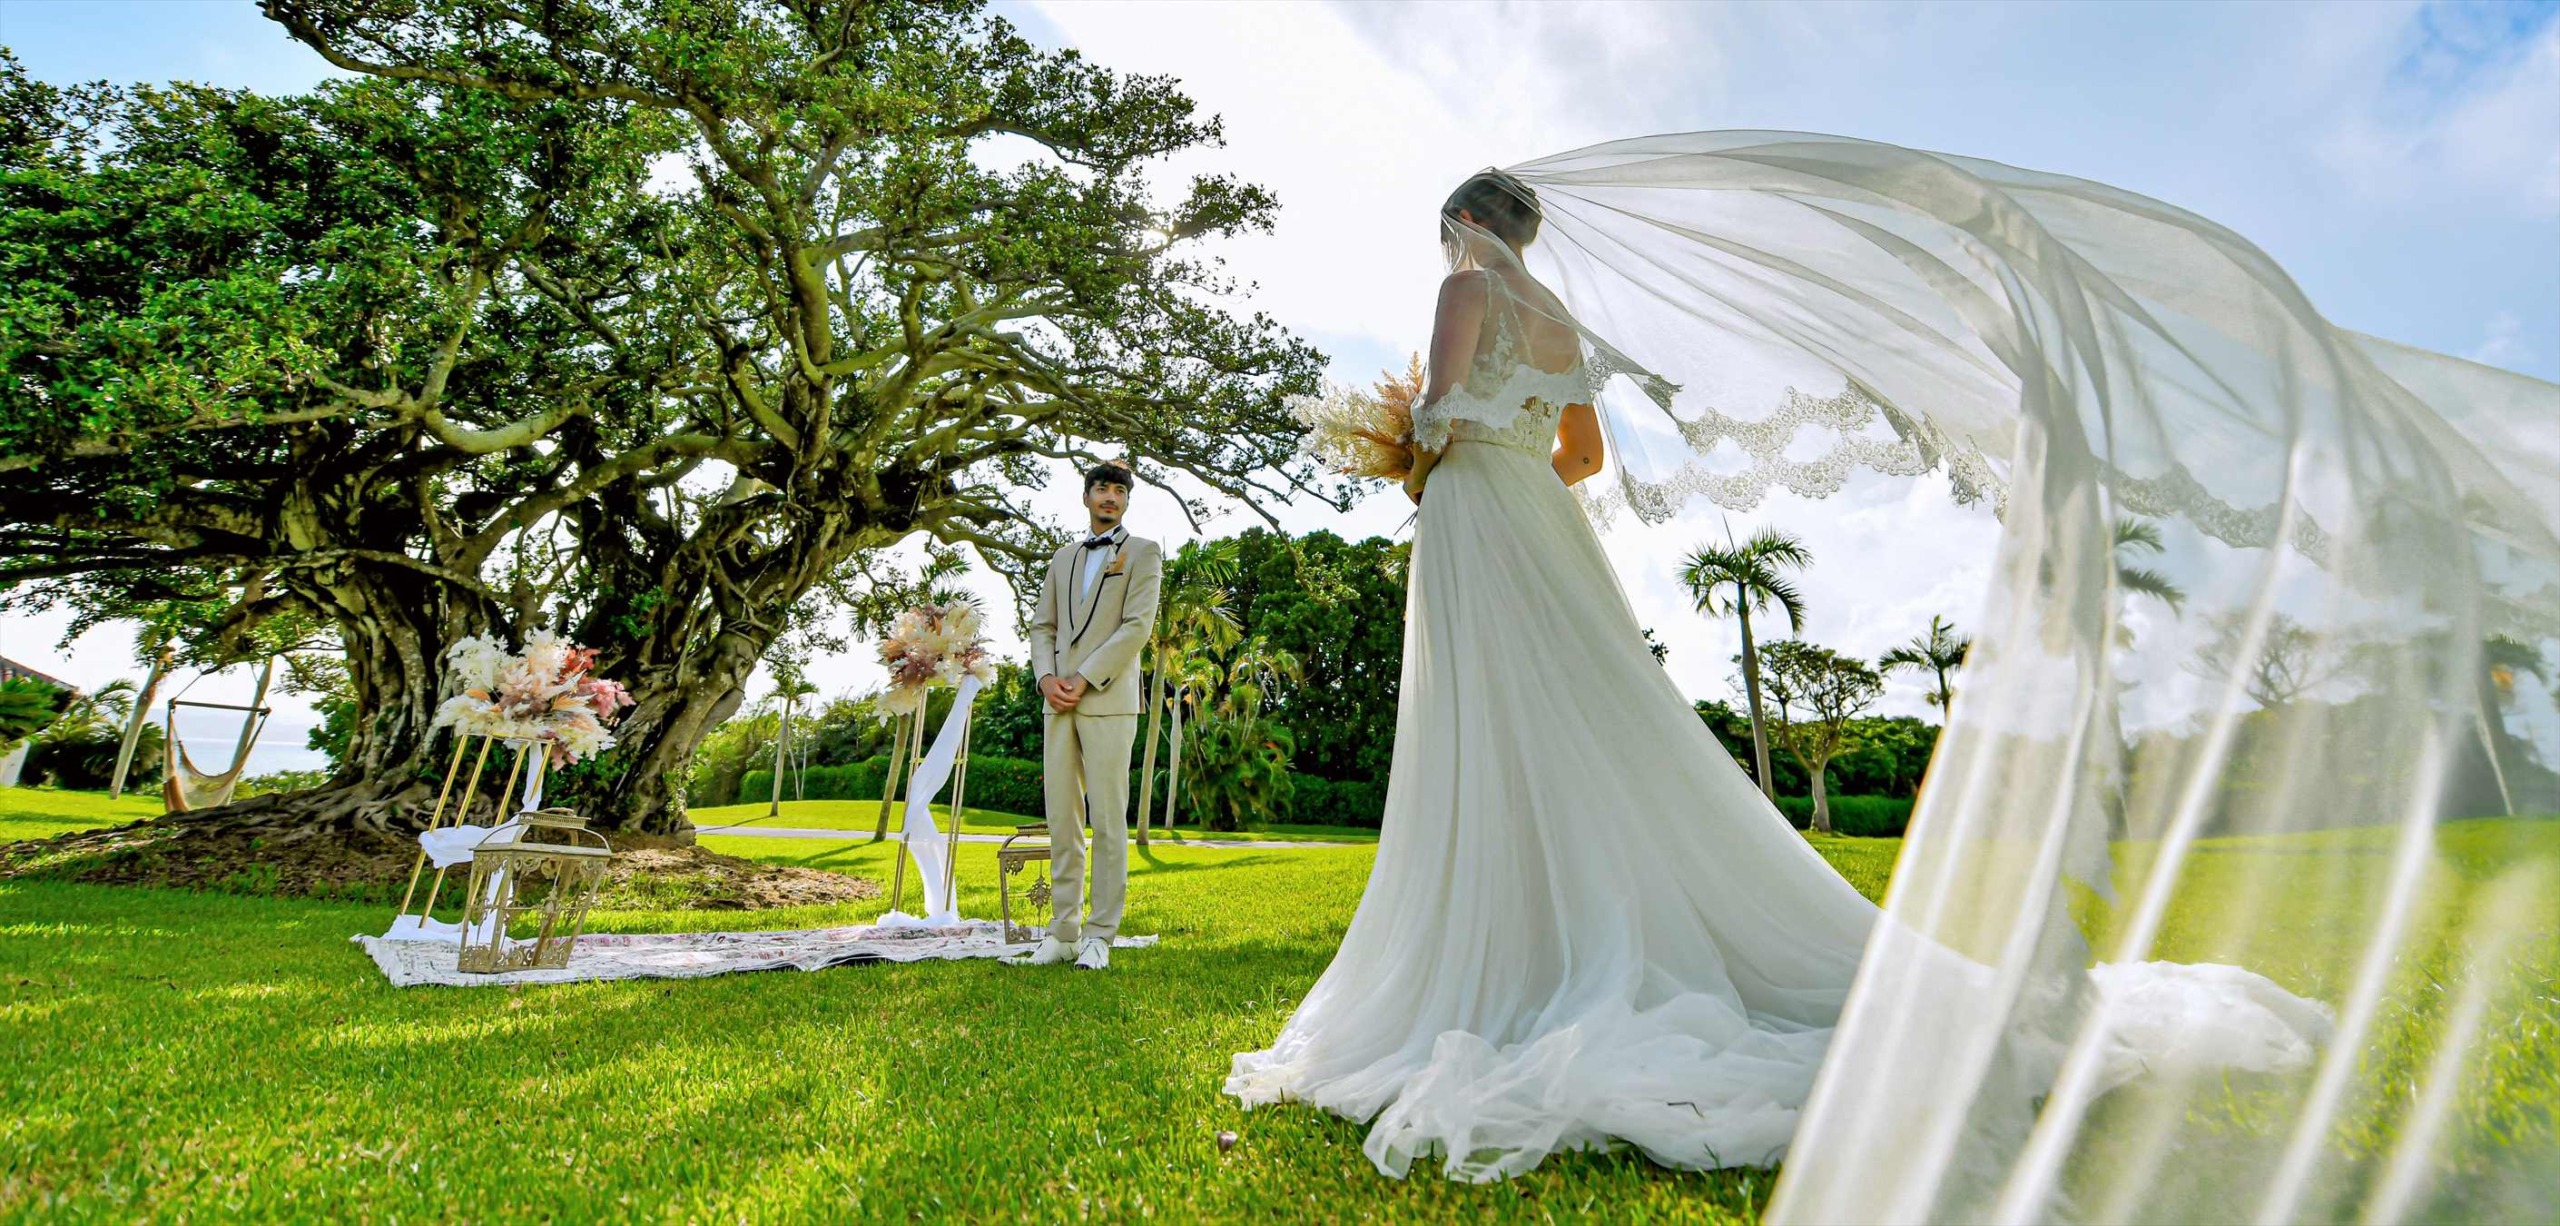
[(504, 871)]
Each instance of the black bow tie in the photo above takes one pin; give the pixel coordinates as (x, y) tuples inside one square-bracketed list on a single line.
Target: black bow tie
[(1097, 542)]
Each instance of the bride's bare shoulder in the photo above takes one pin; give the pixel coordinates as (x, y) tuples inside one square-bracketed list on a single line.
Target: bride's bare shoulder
[(1468, 283)]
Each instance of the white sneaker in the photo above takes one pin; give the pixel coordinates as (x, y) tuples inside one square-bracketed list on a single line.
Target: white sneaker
[(1093, 954), (1051, 951)]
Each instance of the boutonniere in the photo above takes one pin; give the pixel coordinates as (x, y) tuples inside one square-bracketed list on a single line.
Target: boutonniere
[(1119, 566)]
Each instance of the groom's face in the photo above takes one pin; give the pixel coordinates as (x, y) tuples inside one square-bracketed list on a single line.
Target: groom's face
[(1106, 502)]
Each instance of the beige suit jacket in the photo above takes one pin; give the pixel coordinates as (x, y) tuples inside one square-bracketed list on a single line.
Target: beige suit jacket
[(1102, 634)]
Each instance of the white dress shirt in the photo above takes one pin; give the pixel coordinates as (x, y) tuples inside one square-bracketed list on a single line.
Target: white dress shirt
[(1094, 558)]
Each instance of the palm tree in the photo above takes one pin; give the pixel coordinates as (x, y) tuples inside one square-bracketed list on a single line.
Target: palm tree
[(1736, 580), (789, 687), (1194, 676), (1192, 617), (1240, 755), (1940, 651), (2142, 536)]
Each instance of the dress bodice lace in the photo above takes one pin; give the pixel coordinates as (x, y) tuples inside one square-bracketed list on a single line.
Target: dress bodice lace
[(1506, 399)]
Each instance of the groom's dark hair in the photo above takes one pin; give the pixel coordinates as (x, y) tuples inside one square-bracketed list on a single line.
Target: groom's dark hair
[(1111, 474)]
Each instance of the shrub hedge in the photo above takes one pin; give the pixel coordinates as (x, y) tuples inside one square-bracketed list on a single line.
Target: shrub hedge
[(1880, 817), (1012, 785)]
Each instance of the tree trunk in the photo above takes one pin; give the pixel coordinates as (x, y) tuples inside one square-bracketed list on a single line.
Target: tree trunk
[(1173, 763), (889, 782), (396, 626), (1821, 798), (1147, 761), (638, 786), (141, 715), (781, 758), (1751, 691)]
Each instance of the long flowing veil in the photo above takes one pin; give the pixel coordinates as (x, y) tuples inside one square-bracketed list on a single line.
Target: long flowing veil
[(2264, 675)]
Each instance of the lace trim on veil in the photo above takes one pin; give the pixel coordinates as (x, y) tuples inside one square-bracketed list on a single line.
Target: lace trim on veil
[(1917, 448)]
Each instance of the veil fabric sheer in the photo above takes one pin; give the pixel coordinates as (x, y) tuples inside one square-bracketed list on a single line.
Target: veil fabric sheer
[(2264, 675)]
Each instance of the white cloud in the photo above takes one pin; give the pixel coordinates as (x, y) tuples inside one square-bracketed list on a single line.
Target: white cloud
[(2479, 118), (2502, 342)]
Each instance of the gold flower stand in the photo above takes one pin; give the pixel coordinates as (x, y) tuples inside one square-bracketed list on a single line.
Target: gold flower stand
[(460, 812)]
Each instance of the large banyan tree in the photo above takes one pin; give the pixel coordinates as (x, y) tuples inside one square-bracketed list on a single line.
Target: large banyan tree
[(644, 321)]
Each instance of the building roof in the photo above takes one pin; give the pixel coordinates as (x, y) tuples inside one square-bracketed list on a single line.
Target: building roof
[(11, 670)]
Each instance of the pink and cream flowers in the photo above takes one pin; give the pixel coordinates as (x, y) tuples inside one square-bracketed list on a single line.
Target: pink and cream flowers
[(546, 694)]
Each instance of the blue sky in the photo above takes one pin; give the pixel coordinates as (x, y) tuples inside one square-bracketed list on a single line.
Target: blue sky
[(2401, 160)]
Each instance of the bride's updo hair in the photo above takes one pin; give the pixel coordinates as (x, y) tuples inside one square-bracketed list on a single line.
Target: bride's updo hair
[(1499, 202)]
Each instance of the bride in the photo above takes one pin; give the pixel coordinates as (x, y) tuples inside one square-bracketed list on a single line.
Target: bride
[(1584, 924)]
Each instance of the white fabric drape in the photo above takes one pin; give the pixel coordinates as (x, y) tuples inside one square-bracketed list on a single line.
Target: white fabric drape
[(922, 837), (2257, 743)]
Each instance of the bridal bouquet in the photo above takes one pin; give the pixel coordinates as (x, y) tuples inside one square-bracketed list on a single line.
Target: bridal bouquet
[(1362, 433), (933, 643), (545, 694)]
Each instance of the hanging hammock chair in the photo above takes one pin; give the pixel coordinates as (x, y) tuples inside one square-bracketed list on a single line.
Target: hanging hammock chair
[(184, 785)]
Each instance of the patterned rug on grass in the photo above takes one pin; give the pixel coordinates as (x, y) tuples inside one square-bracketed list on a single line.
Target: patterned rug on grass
[(693, 955)]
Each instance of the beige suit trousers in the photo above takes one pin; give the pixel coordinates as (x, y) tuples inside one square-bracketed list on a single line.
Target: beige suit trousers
[(1086, 776)]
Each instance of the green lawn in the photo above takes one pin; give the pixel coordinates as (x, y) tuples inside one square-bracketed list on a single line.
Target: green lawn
[(184, 1054)]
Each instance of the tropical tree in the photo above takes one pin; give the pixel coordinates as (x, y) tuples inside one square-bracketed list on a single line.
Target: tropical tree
[(26, 706), (2138, 537), (1941, 651), (790, 687), (1738, 579), (2290, 661), (1240, 756), (1830, 689), (80, 747), (1193, 621), (439, 351)]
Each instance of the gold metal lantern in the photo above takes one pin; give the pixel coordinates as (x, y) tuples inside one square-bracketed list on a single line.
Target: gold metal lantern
[(1011, 858), (528, 900)]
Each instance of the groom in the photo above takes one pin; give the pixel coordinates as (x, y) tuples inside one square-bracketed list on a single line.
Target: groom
[(1097, 607)]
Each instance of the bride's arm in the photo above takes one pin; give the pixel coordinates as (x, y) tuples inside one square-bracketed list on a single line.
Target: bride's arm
[(1454, 326), (1578, 443)]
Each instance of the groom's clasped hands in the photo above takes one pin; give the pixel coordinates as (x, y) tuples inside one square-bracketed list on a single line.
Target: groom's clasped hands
[(1062, 693)]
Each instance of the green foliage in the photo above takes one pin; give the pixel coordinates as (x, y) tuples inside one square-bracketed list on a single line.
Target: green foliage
[(1318, 801), (1004, 785), (1337, 607), (1874, 817), (727, 754), (26, 706), (323, 680), (78, 749), (279, 781), (1880, 756), (82, 756), (1008, 722), (1939, 652), (1739, 580), (1732, 579), (1237, 772)]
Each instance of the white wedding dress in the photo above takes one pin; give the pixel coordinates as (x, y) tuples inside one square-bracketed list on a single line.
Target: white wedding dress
[(1584, 922)]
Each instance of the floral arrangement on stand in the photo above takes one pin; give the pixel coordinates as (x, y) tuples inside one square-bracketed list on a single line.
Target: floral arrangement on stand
[(1361, 433), (933, 643), (546, 694)]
